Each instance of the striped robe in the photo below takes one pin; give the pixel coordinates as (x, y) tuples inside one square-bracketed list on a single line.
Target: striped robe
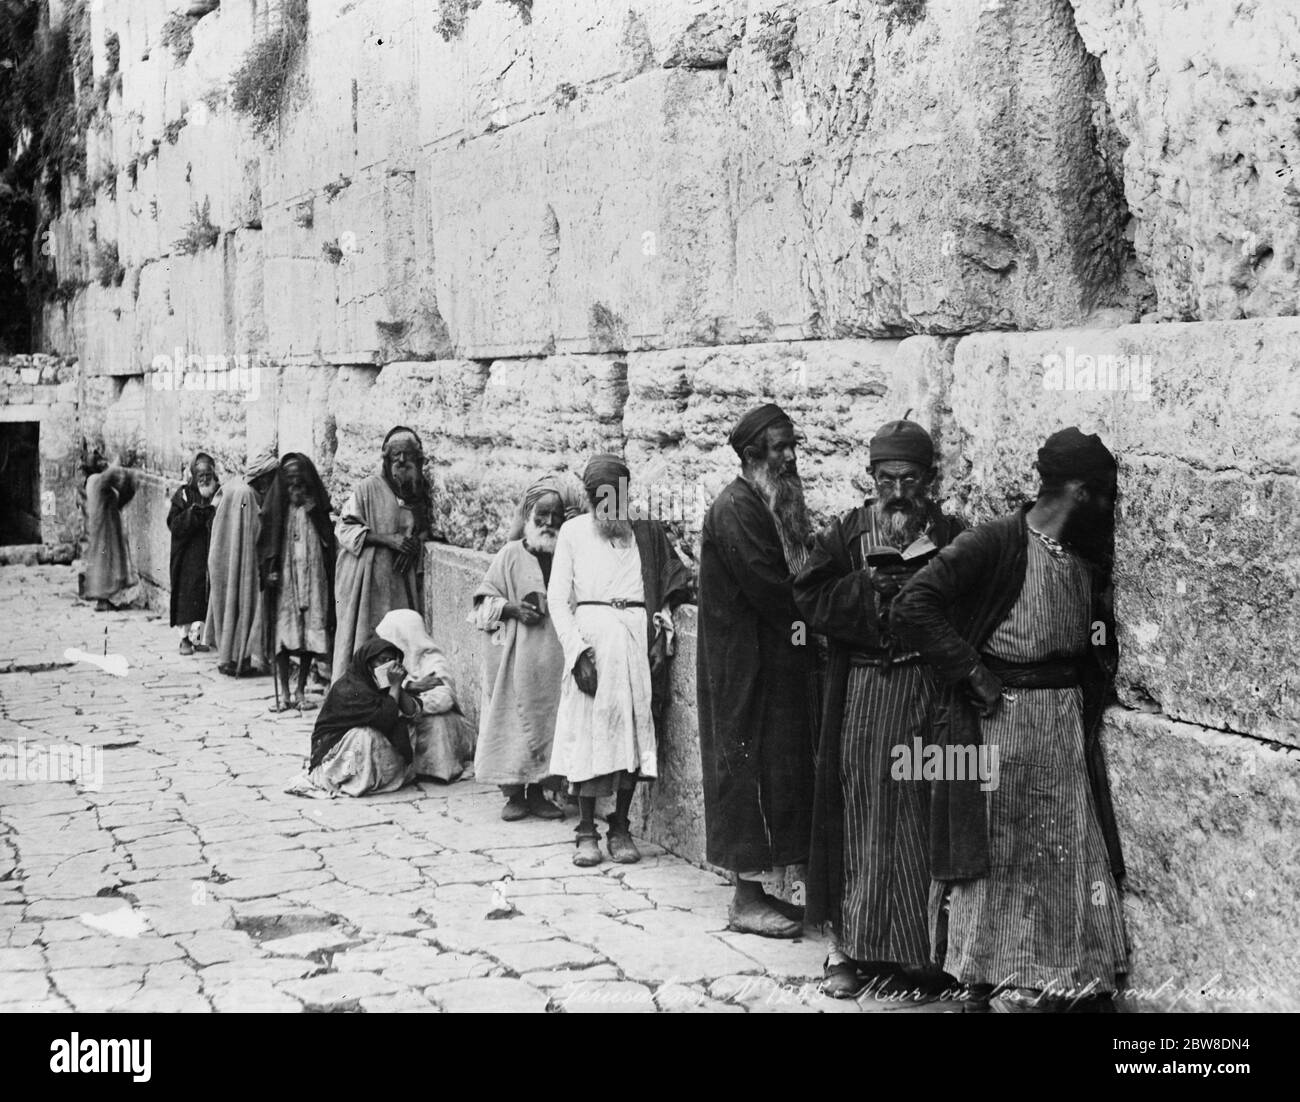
[(869, 870), (1047, 916)]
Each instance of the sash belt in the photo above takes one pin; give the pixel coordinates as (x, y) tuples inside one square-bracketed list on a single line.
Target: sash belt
[(1051, 673)]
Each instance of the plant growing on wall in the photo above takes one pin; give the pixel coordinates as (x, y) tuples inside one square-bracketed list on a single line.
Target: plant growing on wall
[(452, 17), (108, 268), (200, 232), (172, 131), (259, 90), (178, 35), (331, 251)]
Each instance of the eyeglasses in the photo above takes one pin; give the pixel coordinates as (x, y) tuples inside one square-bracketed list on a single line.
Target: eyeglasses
[(906, 482)]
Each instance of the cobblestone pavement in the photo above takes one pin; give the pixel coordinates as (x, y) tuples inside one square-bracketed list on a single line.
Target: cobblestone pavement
[(174, 874)]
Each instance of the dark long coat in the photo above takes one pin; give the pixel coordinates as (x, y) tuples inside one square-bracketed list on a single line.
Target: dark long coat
[(190, 522), (756, 662)]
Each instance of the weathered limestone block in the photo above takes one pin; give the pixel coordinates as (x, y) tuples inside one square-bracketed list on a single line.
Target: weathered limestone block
[(1204, 94), (1202, 419), (946, 171), (487, 432), (683, 403), (1208, 822), (305, 422), (498, 67)]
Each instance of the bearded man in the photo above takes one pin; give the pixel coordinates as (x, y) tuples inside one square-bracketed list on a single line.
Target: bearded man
[(523, 662), (296, 553), (868, 867), (614, 585), (236, 620), (756, 667), (1015, 620), (380, 536)]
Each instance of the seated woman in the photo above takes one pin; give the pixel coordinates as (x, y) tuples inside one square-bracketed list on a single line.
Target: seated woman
[(440, 738), (360, 744)]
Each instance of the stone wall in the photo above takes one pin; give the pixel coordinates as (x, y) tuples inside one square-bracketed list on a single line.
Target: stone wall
[(534, 231), (43, 390)]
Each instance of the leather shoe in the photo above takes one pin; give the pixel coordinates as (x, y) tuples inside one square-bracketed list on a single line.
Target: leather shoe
[(539, 806), (841, 981), (619, 841), (756, 917), (588, 852), (514, 810)]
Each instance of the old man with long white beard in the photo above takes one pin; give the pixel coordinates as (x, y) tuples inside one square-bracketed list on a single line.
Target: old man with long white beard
[(613, 587)]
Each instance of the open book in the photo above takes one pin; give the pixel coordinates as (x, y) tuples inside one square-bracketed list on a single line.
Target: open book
[(912, 557)]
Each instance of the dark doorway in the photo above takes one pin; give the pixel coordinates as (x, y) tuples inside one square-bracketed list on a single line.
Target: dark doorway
[(20, 482)]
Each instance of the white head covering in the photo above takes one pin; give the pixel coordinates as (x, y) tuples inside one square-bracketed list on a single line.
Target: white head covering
[(404, 628)]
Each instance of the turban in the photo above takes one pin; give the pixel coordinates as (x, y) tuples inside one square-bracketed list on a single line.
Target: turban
[(902, 441), (395, 435), (604, 470), (750, 427), (1069, 454), (260, 463), (537, 491), (567, 486)]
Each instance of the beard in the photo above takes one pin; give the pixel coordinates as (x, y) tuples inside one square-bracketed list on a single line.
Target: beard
[(614, 529), (783, 495), (902, 520), (539, 540), (406, 477)]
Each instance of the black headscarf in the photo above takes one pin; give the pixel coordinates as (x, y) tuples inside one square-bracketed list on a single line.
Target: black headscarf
[(750, 428), (270, 538), (354, 700)]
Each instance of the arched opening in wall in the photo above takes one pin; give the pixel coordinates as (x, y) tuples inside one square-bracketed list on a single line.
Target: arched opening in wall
[(20, 483)]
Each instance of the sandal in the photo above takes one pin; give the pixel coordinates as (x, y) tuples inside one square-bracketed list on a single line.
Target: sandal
[(303, 704)]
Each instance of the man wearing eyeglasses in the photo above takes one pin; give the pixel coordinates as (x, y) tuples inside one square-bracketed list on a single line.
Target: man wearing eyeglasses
[(869, 873)]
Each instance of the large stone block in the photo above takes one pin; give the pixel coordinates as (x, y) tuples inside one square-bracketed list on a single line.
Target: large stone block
[(682, 404), (1209, 826), (942, 168), (1202, 418), (1204, 94), (488, 432)]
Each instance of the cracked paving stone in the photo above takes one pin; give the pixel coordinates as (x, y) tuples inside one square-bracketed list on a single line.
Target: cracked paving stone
[(493, 995), (403, 1002), (251, 997), (563, 977), (309, 943), (28, 959), (339, 991), (24, 986), (220, 947), (539, 956), (107, 952), (270, 970), (465, 937)]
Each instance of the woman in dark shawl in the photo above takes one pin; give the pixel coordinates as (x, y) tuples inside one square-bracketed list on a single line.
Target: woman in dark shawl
[(190, 520), (361, 742)]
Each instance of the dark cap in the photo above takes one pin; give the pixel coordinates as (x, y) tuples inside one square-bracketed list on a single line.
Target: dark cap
[(750, 427), (1070, 454), (902, 440)]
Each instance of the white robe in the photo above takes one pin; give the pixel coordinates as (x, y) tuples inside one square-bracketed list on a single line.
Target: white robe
[(614, 730)]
